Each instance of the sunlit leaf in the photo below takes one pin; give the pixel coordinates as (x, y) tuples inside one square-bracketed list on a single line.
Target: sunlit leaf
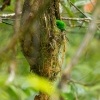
[(41, 84)]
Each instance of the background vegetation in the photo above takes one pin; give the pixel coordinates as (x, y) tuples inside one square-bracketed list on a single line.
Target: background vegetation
[(16, 81)]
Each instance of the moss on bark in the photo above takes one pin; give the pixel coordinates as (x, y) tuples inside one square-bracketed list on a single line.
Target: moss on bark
[(43, 45)]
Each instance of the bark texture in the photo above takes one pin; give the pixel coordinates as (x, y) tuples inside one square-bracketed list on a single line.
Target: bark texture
[(43, 44)]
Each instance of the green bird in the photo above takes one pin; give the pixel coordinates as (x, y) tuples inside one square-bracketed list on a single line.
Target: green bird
[(61, 25)]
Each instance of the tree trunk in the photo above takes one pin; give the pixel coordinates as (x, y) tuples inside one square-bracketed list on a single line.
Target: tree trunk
[(43, 44)]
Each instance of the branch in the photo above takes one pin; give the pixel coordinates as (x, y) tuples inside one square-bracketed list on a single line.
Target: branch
[(16, 29), (77, 19), (4, 16), (77, 8), (82, 19), (84, 84), (17, 17), (12, 16)]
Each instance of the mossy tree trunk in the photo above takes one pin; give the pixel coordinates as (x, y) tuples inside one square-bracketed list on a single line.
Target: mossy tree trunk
[(43, 44)]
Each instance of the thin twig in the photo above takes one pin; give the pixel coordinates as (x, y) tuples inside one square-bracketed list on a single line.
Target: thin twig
[(81, 12), (83, 84), (17, 17), (16, 30), (81, 19), (8, 15), (11, 17), (11, 71), (77, 9), (77, 19)]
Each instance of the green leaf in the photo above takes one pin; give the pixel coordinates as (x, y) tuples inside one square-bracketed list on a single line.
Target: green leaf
[(40, 84)]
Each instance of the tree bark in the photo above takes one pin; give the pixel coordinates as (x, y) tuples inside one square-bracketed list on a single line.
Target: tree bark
[(43, 44)]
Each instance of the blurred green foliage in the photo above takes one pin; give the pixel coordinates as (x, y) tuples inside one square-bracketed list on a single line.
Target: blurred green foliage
[(25, 86)]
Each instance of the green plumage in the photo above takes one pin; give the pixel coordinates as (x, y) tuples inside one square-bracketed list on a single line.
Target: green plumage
[(61, 25)]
